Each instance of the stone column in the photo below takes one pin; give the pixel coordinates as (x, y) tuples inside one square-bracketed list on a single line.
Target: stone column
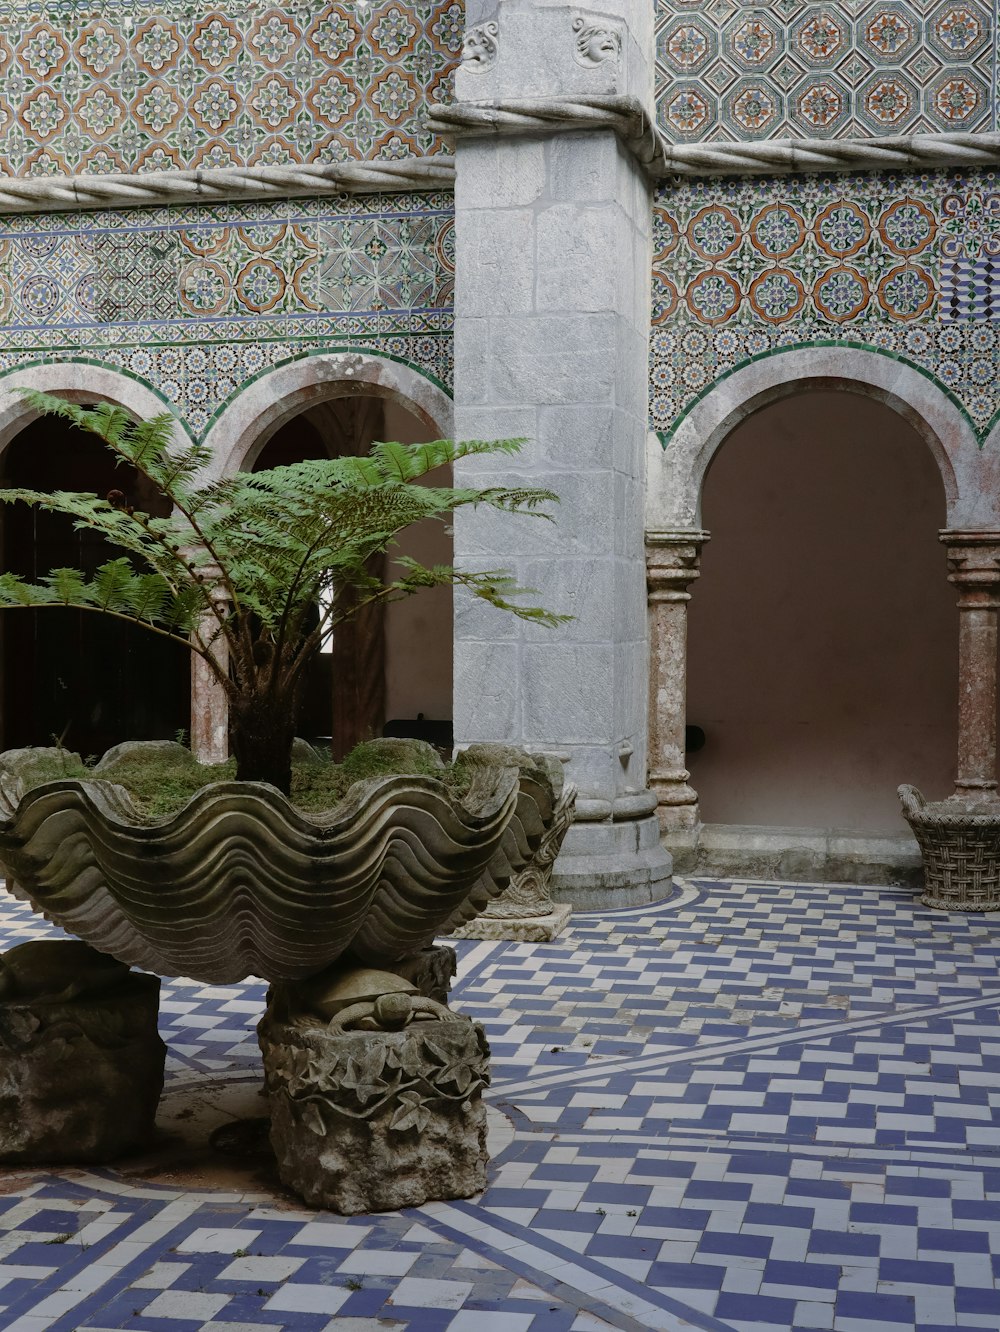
[(209, 705), (672, 560), (974, 561), (552, 304)]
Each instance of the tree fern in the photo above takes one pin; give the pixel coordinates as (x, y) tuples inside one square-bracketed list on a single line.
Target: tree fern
[(237, 568)]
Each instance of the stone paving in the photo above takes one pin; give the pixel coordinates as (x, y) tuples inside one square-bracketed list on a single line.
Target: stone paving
[(754, 1108)]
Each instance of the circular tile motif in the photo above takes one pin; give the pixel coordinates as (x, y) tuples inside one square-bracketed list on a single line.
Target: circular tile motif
[(688, 112), (778, 231), (956, 100), (713, 297), (664, 298), (686, 46), (39, 296), (444, 246), (820, 106), (890, 32), (777, 295), (907, 227), (260, 285), (888, 101), (906, 293), (754, 107), (841, 294), (842, 229), (714, 232), (204, 287), (753, 42), (822, 38)]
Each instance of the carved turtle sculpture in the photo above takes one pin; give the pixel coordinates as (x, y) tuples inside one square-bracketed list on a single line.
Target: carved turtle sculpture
[(366, 1000), (57, 971)]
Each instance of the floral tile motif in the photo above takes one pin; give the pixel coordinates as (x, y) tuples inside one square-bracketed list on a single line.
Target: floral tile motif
[(847, 68), (148, 85), (195, 301), (905, 264)]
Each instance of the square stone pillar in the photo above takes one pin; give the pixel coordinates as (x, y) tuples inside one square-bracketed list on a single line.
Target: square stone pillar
[(552, 305)]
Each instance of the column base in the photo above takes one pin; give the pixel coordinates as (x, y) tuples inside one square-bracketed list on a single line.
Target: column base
[(613, 864)]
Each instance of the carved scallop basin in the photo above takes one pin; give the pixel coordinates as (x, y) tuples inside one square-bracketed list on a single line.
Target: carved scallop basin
[(241, 883)]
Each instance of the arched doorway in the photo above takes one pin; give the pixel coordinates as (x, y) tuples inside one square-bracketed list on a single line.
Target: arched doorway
[(77, 678), (387, 671), (821, 655)]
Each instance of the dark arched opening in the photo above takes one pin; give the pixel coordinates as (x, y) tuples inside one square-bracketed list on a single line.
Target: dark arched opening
[(77, 678)]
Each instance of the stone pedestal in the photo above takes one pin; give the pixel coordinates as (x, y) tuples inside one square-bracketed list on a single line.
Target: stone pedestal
[(526, 911), (552, 214), (974, 563), (375, 1120), (81, 1061), (672, 560)]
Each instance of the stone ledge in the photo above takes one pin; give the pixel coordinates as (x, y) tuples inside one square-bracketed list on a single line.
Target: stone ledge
[(805, 855)]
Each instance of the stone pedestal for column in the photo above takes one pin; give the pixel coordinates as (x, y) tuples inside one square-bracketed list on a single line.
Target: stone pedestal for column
[(974, 562), (552, 304), (672, 560)]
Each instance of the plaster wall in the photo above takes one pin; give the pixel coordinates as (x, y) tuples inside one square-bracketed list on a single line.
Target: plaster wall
[(823, 631)]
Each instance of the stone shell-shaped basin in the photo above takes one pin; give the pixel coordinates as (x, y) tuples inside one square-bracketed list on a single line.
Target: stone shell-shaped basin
[(240, 883)]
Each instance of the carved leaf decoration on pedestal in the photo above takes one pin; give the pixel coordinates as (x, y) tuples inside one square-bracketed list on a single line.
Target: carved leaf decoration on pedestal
[(313, 1118), (411, 1113)]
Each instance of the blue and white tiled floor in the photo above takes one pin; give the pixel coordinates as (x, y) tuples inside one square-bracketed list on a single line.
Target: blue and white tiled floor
[(756, 1108)]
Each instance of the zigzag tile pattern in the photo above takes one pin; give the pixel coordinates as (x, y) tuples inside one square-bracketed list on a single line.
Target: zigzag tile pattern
[(757, 1108)]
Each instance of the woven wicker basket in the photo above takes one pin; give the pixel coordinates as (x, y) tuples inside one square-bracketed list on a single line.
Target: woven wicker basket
[(960, 847)]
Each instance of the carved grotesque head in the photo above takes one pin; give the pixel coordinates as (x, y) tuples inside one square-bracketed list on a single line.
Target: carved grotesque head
[(596, 43), (479, 49)]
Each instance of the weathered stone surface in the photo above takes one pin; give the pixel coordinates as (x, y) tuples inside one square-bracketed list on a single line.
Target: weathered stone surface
[(365, 1118), (431, 971), (525, 911), (316, 886), (81, 1061)]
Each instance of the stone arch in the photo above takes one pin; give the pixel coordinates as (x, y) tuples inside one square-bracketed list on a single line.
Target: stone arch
[(79, 381), (676, 473), (263, 406)]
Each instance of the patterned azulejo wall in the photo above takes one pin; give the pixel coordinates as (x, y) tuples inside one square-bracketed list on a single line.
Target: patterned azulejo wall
[(905, 264), (848, 68), (145, 85), (195, 301)]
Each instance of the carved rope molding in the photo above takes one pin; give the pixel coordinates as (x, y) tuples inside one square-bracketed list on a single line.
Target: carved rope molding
[(624, 115), (663, 160), (51, 194)]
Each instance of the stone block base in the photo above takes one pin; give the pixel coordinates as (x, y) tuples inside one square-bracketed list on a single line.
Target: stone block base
[(522, 929), (613, 864), (80, 1073), (370, 1120)]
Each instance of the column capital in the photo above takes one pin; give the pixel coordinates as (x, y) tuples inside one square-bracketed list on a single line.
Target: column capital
[(672, 560), (974, 564)]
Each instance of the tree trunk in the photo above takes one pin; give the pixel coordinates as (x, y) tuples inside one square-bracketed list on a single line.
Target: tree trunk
[(261, 731)]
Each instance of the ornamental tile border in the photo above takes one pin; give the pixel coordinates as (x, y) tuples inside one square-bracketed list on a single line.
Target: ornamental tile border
[(196, 301), (907, 264), (156, 86), (853, 68)]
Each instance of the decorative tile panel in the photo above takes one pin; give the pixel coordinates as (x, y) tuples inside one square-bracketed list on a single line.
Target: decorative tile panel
[(845, 69), (904, 264), (144, 85), (197, 300)]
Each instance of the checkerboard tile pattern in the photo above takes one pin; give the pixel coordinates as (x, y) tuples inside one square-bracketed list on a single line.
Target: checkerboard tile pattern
[(754, 1108)]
